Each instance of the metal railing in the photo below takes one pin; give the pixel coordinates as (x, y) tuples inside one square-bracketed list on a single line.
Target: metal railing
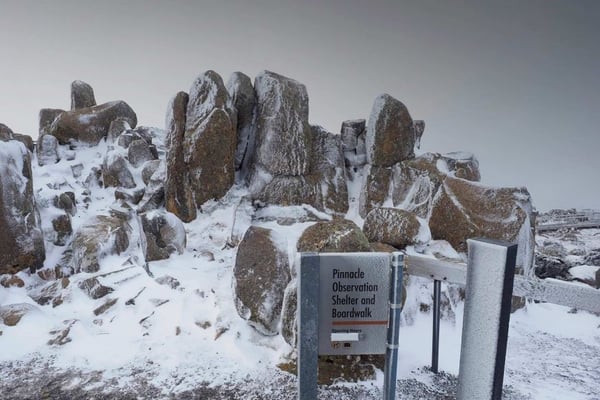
[(576, 220), (570, 294)]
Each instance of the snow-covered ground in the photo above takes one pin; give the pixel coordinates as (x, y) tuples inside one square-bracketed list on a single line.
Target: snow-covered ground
[(187, 341)]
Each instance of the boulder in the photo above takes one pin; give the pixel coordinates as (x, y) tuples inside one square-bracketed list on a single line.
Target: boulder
[(116, 128), (165, 234), (261, 274), (289, 314), (22, 244), (149, 169), (139, 152), (210, 138), (397, 228), (82, 95), (209, 157), (244, 100), (6, 133), (47, 150), (46, 117), (101, 236), (11, 280), (464, 210), (154, 194), (115, 171), (179, 198), (62, 228), (283, 135), (66, 201), (90, 125), (94, 289), (338, 235), (375, 189), (390, 136), (131, 196), (50, 293), (26, 140), (416, 182)]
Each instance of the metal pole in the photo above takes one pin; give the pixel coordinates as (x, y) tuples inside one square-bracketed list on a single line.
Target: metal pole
[(308, 326), (391, 354), (435, 339), (490, 274)]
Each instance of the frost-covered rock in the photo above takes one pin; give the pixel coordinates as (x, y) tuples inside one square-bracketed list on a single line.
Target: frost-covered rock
[(62, 228), (289, 313), (244, 100), (22, 244), (179, 198), (353, 142), (47, 150), (375, 189), (392, 226), (464, 210), (82, 95), (25, 139), (46, 117), (165, 234), (94, 289), (149, 169), (139, 152), (338, 235), (66, 201), (6, 133), (115, 171), (261, 274), (116, 128), (390, 136), (283, 134), (90, 125), (100, 236), (154, 195), (11, 314), (328, 169)]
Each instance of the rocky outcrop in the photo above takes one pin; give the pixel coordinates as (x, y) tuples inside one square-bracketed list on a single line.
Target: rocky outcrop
[(463, 210), (165, 234), (91, 124), (397, 228), (294, 163), (6, 133), (261, 274), (82, 95), (244, 100), (201, 146), (22, 244)]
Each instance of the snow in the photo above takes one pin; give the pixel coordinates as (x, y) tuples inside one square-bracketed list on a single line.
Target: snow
[(181, 338)]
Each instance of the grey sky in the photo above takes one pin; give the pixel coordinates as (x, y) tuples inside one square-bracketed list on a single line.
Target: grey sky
[(515, 82)]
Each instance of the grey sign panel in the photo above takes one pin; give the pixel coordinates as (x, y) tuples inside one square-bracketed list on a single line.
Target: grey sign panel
[(353, 303)]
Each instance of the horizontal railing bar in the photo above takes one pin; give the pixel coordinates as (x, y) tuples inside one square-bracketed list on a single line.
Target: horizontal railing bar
[(570, 294)]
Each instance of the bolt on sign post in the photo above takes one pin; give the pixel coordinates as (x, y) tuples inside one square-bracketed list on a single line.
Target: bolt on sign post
[(490, 274), (349, 303)]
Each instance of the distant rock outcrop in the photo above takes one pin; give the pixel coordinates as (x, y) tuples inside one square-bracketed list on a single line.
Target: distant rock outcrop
[(22, 244), (91, 124), (261, 274)]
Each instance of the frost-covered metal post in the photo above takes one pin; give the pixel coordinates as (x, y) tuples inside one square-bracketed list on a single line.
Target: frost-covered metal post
[(490, 274), (391, 354), (308, 326)]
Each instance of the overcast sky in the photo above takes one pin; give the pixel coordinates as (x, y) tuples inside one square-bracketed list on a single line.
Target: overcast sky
[(515, 82)]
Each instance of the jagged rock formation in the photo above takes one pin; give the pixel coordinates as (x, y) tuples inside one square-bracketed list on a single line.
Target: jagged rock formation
[(22, 245), (294, 163)]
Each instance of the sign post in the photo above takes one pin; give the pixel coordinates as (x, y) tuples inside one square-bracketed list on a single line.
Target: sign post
[(349, 303)]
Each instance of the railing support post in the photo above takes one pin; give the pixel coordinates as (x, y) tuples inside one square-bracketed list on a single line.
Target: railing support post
[(490, 275), (435, 337)]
